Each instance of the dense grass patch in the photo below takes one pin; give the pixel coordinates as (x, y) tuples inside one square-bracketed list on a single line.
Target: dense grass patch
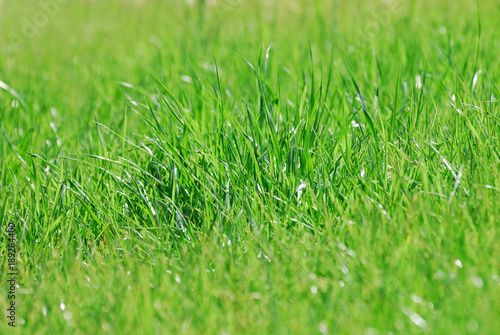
[(252, 167)]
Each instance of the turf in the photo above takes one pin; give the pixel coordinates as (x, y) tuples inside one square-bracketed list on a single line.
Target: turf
[(229, 167)]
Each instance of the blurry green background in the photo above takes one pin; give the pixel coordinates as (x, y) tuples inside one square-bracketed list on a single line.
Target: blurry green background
[(73, 63)]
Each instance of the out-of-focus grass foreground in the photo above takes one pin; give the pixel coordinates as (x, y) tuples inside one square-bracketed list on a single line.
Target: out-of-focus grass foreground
[(234, 167)]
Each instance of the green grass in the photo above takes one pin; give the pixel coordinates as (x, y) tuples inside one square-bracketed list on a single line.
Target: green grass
[(228, 167)]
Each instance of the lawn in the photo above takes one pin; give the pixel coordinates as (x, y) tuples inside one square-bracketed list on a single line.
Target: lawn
[(250, 167)]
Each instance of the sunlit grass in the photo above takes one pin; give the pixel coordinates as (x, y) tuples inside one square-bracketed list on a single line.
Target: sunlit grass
[(252, 167)]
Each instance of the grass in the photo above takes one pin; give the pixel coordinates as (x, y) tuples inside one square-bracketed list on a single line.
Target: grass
[(227, 167)]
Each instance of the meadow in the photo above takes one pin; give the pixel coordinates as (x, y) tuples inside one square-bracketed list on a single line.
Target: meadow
[(251, 167)]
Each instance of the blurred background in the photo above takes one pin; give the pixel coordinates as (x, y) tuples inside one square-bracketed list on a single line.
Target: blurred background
[(79, 48)]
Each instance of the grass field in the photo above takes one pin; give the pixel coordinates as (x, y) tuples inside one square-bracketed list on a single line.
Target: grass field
[(251, 167)]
